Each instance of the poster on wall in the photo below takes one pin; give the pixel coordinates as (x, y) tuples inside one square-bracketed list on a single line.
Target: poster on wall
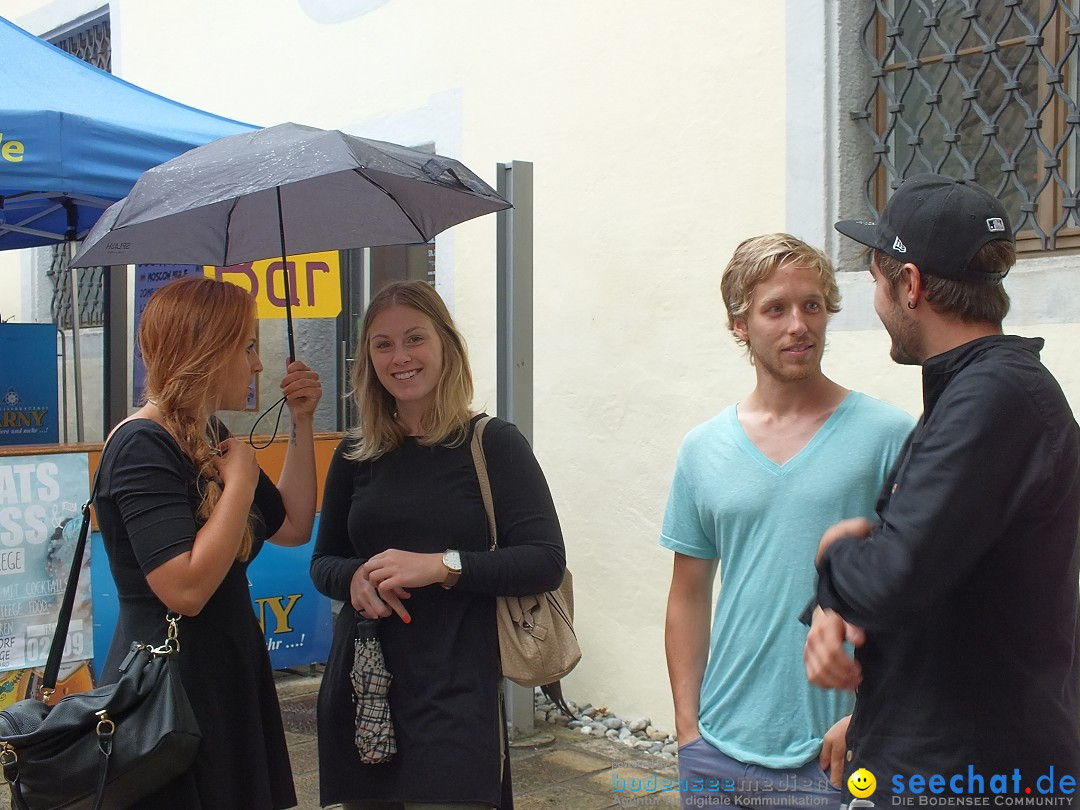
[(41, 500), (314, 284), (28, 384), (149, 278), (295, 618)]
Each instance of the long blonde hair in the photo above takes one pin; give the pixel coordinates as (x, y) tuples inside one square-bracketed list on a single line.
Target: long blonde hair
[(188, 331), (447, 423)]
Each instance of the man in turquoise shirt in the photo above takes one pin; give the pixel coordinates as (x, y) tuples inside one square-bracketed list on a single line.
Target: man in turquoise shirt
[(754, 489)]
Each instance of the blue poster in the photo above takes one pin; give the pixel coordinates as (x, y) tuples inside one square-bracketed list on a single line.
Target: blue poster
[(149, 278), (294, 616), (28, 384), (41, 500)]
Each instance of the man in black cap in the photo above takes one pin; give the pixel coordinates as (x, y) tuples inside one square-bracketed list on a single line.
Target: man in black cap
[(966, 586)]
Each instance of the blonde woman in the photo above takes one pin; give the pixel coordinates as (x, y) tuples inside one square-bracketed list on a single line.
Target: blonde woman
[(403, 538), (183, 509)]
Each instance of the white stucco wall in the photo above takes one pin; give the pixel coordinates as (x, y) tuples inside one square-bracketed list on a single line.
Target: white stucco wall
[(654, 156), (661, 135)]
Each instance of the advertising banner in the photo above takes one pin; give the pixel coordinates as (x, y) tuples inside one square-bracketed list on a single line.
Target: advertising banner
[(28, 384), (314, 284), (41, 500), (149, 278), (294, 616)]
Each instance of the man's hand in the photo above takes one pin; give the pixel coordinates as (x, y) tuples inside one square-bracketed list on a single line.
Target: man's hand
[(833, 748), (858, 528), (828, 664)]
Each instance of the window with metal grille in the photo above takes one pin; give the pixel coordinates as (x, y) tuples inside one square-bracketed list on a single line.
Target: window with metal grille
[(980, 89), (91, 293), (92, 42)]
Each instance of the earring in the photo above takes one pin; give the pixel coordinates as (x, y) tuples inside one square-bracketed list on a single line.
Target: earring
[(910, 305)]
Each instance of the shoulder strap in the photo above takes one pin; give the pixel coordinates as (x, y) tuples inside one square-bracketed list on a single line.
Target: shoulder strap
[(480, 462), (56, 650), (63, 620)]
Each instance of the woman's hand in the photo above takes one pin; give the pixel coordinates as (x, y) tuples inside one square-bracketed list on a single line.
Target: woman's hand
[(371, 604), (236, 465), (302, 390), (394, 568)]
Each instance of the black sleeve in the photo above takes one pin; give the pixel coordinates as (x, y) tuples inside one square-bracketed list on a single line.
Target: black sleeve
[(148, 481), (530, 557), (969, 469), (267, 498), (334, 560)]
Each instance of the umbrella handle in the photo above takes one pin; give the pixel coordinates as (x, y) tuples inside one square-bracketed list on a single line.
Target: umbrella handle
[(285, 270)]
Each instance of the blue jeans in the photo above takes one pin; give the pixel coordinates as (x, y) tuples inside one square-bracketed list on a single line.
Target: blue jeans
[(709, 778)]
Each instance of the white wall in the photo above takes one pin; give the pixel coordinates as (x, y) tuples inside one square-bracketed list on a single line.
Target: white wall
[(652, 160), (661, 136)]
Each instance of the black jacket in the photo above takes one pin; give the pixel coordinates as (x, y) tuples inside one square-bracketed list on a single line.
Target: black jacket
[(967, 587)]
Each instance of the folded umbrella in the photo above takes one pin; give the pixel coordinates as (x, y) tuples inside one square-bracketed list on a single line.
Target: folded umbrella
[(371, 687)]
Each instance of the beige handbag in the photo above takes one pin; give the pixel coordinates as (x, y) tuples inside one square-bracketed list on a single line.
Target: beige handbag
[(537, 643)]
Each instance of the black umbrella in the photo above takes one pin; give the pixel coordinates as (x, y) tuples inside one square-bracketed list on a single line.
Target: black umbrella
[(234, 199)]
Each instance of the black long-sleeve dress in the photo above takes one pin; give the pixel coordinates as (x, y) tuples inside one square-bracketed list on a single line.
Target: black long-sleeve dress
[(146, 504), (444, 698)]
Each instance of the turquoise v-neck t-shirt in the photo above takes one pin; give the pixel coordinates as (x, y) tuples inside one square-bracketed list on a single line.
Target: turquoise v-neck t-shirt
[(763, 521)]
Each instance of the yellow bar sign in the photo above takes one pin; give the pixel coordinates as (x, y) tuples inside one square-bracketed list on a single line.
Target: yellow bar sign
[(314, 281)]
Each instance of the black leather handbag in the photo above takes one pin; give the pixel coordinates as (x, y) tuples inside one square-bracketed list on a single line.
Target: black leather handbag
[(106, 748)]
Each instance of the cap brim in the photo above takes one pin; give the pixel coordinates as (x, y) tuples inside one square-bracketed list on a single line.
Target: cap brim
[(865, 233)]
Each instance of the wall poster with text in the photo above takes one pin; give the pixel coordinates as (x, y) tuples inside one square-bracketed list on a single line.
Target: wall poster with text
[(28, 384), (41, 500)]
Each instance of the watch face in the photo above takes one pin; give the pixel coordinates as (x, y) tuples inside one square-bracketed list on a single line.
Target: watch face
[(452, 560)]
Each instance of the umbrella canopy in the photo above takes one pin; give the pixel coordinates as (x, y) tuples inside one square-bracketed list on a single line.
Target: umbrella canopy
[(74, 139), (235, 199)]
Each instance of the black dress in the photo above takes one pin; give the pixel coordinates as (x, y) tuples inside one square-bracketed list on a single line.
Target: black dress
[(444, 698), (146, 503)]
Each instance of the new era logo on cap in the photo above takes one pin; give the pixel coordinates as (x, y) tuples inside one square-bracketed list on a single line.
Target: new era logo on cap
[(944, 222)]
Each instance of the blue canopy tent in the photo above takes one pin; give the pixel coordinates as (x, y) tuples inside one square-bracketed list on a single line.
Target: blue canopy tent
[(73, 140)]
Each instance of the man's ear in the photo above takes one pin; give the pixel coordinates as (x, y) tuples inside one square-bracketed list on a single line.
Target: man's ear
[(911, 286), (738, 326)]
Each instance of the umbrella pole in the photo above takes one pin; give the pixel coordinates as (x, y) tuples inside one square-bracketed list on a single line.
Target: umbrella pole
[(285, 270)]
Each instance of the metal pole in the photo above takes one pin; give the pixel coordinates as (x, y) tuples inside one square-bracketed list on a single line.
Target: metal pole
[(73, 272), (115, 372), (514, 379), (63, 380)]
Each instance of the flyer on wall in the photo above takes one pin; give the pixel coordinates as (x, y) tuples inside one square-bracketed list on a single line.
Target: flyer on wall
[(41, 500)]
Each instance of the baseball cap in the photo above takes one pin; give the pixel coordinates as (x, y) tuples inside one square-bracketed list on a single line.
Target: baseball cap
[(938, 224)]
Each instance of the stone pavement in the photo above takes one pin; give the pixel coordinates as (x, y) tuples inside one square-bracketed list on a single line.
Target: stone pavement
[(569, 772)]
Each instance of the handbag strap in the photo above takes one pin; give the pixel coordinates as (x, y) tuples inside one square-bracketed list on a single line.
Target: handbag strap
[(56, 649), (480, 462)]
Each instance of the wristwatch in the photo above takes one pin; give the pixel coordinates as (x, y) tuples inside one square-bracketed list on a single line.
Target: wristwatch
[(452, 560)]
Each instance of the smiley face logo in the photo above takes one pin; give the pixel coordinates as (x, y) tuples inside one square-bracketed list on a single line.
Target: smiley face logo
[(861, 783)]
